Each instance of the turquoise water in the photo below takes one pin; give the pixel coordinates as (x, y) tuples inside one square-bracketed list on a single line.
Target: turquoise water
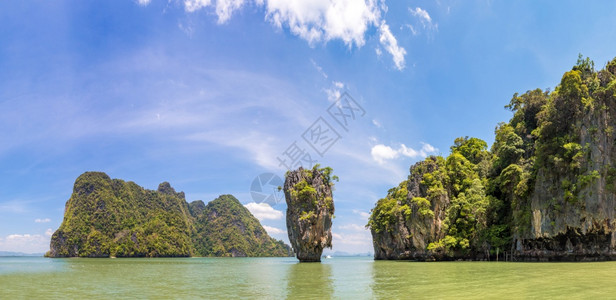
[(279, 278)]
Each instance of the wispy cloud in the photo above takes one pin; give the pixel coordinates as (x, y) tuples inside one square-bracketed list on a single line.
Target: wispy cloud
[(318, 68), (389, 42), (334, 91), (422, 22), (46, 220), (263, 211)]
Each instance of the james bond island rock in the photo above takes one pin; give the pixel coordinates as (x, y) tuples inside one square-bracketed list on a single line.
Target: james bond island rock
[(310, 208), (110, 217), (546, 190)]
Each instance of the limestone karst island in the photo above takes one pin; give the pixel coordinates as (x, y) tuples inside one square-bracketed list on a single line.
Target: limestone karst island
[(113, 218), (544, 191)]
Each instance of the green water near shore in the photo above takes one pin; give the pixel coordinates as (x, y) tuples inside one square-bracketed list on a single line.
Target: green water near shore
[(279, 278)]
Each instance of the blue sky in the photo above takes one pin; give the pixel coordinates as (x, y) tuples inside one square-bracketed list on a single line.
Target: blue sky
[(207, 94)]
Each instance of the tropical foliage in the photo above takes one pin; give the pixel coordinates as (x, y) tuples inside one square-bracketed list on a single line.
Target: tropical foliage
[(489, 191), (110, 217)]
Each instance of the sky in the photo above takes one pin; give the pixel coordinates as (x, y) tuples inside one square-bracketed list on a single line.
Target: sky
[(211, 94)]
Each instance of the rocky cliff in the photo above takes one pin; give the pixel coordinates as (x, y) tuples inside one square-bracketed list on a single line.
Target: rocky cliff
[(572, 202), (544, 191), (224, 227), (310, 208), (405, 222), (110, 217)]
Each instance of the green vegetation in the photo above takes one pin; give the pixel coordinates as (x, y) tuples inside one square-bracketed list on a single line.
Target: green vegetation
[(226, 228), (307, 196), (106, 217), (483, 196)]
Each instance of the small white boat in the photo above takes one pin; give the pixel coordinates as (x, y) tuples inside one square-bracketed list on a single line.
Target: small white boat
[(328, 256)]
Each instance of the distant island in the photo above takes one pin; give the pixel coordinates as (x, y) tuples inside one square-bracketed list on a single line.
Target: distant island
[(112, 218), (545, 191)]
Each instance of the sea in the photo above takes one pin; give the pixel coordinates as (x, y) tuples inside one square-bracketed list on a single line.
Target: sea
[(286, 278)]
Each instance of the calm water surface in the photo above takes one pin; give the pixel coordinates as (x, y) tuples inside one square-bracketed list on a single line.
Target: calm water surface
[(279, 278)]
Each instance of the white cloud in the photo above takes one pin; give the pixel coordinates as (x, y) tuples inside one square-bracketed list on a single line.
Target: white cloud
[(194, 5), (263, 211), (46, 220), (378, 51), (143, 2), (377, 123), (380, 153), (224, 8), (389, 42), (317, 20), (27, 243), (427, 148), (409, 152), (49, 232), (324, 20), (273, 230)]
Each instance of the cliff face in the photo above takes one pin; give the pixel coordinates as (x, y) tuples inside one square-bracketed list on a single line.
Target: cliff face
[(310, 208), (545, 191), (573, 202), (110, 217), (405, 222)]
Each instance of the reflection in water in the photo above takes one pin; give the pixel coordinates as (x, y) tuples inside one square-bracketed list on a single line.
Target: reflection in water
[(403, 279), (309, 281), (385, 279)]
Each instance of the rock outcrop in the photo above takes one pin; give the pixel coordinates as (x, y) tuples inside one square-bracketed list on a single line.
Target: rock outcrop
[(110, 217), (310, 208), (546, 190), (572, 204), (405, 223)]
